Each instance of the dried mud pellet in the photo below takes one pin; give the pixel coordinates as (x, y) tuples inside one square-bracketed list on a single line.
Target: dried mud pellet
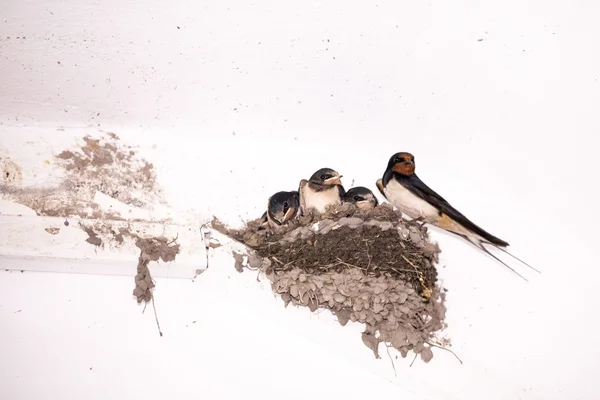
[(343, 317), (426, 354), (362, 316), (350, 221), (404, 233), (371, 342), (302, 277), (403, 351), (239, 261), (398, 339), (379, 288), (294, 290), (413, 337), (254, 261), (253, 241), (430, 248), (294, 274), (325, 230), (404, 309), (304, 298), (142, 285), (415, 237), (340, 298), (358, 305), (402, 297)]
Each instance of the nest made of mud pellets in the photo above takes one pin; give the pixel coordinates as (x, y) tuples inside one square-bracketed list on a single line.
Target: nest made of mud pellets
[(369, 266)]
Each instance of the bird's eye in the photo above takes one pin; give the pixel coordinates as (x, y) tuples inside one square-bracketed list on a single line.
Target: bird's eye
[(399, 160), (357, 198), (323, 177), (286, 205)]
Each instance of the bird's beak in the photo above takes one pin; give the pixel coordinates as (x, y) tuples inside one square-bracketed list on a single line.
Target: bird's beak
[(334, 180), (286, 215)]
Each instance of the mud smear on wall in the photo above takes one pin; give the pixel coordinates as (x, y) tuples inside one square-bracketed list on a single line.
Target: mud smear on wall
[(153, 248), (101, 164), (104, 233)]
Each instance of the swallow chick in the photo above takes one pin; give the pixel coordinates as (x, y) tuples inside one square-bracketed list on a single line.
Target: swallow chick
[(323, 189), (362, 197), (403, 188), (281, 208)]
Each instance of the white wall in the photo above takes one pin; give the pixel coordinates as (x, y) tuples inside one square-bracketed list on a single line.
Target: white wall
[(498, 103)]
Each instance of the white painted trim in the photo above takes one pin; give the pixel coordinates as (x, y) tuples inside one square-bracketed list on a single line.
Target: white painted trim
[(96, 267), (24, 239)]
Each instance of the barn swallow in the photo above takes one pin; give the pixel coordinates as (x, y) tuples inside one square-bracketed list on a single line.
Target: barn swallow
[(281, 208), (323, 189), (362, 197), (403, 188)]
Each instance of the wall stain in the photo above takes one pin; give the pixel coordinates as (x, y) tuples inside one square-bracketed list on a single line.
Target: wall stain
[(101, 164), (11, 173)]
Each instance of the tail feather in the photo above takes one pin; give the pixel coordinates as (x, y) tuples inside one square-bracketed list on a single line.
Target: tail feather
[(518, 259), (479, 244)]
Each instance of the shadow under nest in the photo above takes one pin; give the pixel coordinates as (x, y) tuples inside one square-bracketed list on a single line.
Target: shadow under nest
[(369, 266)]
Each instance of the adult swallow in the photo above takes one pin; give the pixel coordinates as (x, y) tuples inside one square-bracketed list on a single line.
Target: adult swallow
[(403, 188), (323, 189), (362, 197), (281, 208)]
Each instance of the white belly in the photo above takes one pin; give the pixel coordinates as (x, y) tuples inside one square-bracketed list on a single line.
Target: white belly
[(408, 203), (319, 201)]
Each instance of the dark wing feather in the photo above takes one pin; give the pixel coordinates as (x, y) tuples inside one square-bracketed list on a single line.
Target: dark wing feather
[(420, 189)]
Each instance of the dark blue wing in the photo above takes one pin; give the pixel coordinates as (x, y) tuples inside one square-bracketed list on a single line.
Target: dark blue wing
[(420, 189)]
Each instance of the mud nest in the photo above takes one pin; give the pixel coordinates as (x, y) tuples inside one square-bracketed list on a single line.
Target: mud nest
[(369, 266)]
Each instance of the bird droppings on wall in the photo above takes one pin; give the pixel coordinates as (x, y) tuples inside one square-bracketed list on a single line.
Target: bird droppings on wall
[(99, 165), (52, 230), (369, 266), (11, 173)]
